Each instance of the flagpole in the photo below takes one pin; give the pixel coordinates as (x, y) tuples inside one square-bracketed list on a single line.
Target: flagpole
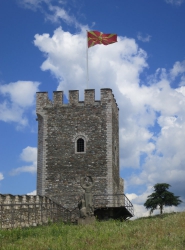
[(87, 61)]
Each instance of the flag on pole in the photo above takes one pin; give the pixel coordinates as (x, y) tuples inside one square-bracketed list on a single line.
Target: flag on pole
[(96, 37)]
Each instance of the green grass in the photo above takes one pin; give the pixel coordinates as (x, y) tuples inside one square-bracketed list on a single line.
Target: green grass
[(157, 232)]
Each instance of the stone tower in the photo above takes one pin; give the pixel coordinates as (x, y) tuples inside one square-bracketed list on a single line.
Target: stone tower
[(75, 140)]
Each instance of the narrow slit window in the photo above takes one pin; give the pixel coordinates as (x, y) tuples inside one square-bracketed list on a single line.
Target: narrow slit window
[(80, 145)]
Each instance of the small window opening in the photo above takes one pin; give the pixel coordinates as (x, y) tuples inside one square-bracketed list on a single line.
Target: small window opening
[(80, 145)]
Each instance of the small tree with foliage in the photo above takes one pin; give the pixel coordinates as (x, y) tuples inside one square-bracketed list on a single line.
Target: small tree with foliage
[(161, 197)]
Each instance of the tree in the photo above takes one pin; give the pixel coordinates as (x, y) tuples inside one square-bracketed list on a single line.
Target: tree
[(161, 197)]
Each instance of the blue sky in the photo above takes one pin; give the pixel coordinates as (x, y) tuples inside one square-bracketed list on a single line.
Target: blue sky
[(43, 48)]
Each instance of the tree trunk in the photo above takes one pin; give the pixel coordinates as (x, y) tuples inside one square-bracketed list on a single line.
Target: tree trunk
[(161, 209)]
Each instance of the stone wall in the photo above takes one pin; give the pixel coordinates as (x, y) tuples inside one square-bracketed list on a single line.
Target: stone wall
[(27, 210), (60, 167), (42, 101)]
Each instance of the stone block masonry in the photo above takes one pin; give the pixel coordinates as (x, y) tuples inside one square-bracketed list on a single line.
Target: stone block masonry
[(27, 210), (61, 127)]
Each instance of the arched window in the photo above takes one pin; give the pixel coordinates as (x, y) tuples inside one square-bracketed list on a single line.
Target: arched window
[(80, 145)]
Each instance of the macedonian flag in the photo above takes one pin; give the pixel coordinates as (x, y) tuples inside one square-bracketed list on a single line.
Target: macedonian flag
[(96, 37)]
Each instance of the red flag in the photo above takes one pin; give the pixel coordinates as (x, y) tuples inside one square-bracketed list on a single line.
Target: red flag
[(96, 37)]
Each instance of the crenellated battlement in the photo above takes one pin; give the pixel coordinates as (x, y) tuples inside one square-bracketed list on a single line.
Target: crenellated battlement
[(73, 97), (23, 199), (27, 210)]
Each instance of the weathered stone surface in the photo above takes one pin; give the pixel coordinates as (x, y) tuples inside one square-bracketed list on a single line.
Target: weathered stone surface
[(60, 166), (27, 210)]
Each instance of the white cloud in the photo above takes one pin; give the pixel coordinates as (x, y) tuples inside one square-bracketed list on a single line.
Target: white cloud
[(178, 69), (33, 4), (131, 148), (59, 13), (12, 113), (18, 97), (142, 38), (182, 82), (29, 154), (32, 193), (51, 12), (66, 59), (21, 92), (26, 169), (167, 164), (1, 177), (175, 2)]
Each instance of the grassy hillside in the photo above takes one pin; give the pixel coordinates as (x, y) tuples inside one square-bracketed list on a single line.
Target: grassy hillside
[(158, 232)]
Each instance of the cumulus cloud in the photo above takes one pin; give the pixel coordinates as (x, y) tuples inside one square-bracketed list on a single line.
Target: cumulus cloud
[(59, 13), (32, 193), (143, 106), (1, 177), (21, 92), (178, 69), (66, 59), (17, 98), (29, 154), (182, 82), (166, 164), (142, 38), (174, 2), (12, 113)]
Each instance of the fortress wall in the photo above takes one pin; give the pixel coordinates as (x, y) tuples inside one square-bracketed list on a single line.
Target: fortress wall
[(26, 210)]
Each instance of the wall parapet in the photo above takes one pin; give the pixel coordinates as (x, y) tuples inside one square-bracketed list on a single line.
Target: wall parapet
[(28, 210), (73, 97), (23, 199), (24, 210)]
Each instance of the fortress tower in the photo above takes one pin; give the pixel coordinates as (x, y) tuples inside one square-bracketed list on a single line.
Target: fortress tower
[(75, 140)]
